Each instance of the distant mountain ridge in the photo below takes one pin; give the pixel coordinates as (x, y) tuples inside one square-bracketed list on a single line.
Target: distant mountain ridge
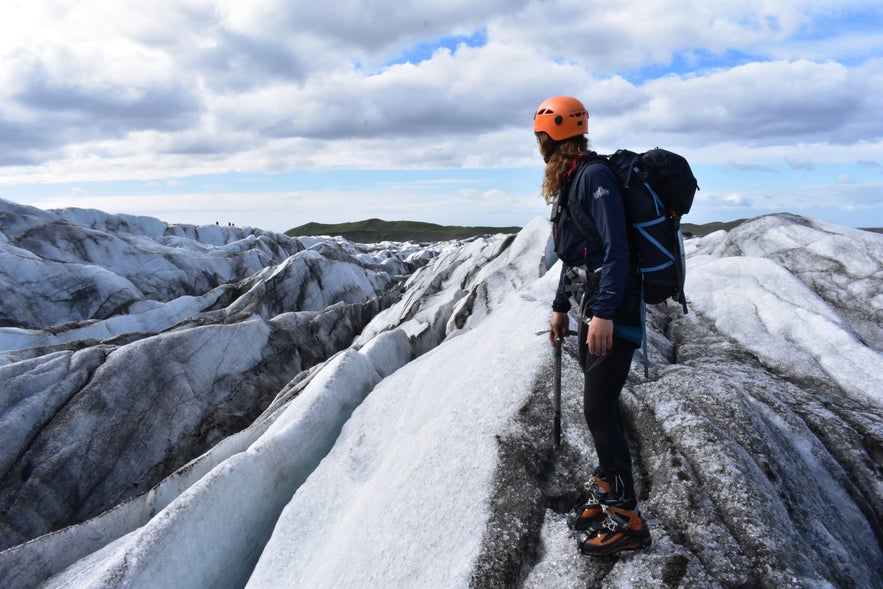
[(377, 230), (692, 230)]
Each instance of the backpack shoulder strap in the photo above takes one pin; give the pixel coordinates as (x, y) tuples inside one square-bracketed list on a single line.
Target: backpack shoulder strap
[(589, 232), (561, 209)]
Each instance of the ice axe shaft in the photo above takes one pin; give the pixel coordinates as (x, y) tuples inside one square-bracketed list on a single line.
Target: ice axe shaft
[(556, 400)]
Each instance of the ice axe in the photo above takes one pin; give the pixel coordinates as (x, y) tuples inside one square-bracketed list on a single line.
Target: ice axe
[(556, 399)]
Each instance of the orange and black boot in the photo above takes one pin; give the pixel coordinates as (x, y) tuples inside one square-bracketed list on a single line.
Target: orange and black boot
[(591, 512), (621, 529)]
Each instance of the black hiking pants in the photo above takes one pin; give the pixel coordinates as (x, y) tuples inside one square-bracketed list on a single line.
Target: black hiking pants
[(604, 378)]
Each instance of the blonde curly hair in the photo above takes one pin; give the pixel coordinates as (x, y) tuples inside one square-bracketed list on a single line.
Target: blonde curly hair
[(560, 156)]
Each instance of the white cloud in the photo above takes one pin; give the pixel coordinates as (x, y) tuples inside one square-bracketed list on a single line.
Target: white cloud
[(774, 103), (116, 90), (271, 69), (496, 193)]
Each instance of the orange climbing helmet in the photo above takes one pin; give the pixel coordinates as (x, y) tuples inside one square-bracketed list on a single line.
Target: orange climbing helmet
[(562, 117)]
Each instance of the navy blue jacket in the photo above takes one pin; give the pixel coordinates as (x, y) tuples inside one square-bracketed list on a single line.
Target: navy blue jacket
[(595, 198)]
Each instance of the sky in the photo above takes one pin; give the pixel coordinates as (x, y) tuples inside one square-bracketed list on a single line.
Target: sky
[(275, 113)]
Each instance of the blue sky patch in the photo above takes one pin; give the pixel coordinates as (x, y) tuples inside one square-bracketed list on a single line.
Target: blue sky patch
[(686, 63), (424, 50), (844, 22)]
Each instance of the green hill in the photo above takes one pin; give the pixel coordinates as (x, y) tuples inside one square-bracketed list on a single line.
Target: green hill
[(375, 230), (691, 230)]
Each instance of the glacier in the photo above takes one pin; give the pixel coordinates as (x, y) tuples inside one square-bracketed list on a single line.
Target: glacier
[(212, 406)]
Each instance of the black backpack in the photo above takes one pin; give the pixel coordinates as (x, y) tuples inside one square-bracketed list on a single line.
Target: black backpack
[(657, 188)]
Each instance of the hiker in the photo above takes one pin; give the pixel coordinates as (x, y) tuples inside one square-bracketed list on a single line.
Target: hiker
[(609, 521)]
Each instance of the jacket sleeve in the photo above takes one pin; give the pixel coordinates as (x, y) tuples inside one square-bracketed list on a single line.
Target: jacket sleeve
[(600, 200), (561, 303)]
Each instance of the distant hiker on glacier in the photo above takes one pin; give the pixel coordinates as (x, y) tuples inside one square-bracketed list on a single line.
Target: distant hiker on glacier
[(595, 270)]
